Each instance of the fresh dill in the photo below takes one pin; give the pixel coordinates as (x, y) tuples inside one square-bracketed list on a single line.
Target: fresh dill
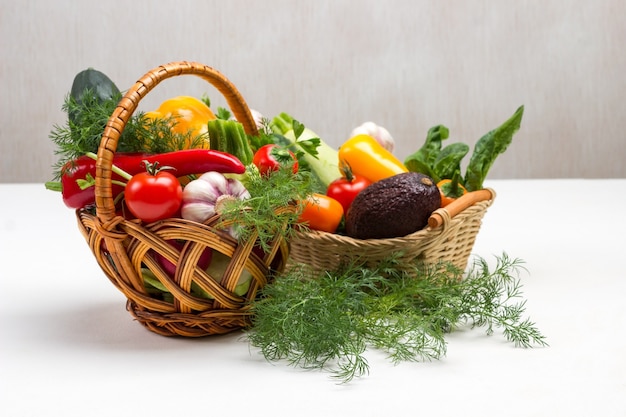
[(272, 210), (328, 320), (82, 131)]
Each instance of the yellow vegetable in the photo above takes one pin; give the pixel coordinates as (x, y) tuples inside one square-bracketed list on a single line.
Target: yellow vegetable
[(188, 114), (366, 157)]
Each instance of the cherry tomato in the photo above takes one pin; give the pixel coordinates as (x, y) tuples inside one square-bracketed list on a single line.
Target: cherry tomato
[(153, 195), (346, 188), (321, 212), (271, 157)]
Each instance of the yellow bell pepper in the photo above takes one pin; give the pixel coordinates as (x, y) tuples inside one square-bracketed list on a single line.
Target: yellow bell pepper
[(364, 156), (188, 114)]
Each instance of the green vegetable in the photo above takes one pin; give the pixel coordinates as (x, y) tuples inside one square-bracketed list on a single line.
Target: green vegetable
[(424, 159), (276, 189), (488, 148), (441, 163), (433, 160), (228, 136), (321, 158), (328, 320), (95, 82), (449, 160)]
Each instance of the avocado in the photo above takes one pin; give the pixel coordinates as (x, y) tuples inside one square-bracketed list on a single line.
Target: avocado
[(393, 207)]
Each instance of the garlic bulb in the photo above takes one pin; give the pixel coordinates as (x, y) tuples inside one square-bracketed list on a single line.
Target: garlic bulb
[(203, 197), (379, 133)]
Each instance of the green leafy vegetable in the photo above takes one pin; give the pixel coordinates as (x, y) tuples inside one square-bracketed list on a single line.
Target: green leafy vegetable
[(488, 148), (280, 188), (424, 159), (441, 163), (223, 113), (328, 320), (449, 160)]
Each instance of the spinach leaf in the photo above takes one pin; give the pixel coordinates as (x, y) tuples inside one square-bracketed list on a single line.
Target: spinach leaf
[(488, 148), (424, 159), (449, 160)]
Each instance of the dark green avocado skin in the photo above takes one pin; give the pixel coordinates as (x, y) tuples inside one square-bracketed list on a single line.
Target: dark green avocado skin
[(393, 207)]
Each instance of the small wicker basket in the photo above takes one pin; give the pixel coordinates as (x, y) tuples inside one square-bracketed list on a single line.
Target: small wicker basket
[(124, 248), (449, 237)]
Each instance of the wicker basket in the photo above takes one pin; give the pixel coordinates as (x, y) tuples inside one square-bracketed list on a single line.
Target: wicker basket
[(123, 248), (449, 237)]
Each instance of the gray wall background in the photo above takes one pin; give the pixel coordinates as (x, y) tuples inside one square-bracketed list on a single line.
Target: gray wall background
[(405, 64)]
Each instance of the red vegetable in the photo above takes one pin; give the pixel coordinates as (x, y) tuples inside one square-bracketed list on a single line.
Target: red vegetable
[(271, 157), (346, 188), (153, 195), (185, 162)]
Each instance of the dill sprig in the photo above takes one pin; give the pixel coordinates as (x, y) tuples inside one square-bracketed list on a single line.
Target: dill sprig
[(327, 320), (86, 119), (269, 192)]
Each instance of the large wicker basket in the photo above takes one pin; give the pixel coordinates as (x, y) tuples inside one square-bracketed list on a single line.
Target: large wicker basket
[(449, 237), (124, 248)]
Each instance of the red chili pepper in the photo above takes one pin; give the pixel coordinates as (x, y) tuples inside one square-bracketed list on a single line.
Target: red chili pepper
[(185, 162)]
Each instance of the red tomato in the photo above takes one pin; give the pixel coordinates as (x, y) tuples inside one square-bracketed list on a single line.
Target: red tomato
[(321, 212), (271, 157), (345, 189), (151, 197)]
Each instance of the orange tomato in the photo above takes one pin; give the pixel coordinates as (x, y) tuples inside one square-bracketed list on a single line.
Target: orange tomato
[(450, 191), (321, 212)]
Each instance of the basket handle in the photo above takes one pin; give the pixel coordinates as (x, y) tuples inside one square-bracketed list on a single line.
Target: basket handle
[(105, 208), (466, 200)]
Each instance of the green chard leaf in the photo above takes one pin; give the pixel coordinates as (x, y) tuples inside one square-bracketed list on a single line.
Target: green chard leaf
[(488, 148)]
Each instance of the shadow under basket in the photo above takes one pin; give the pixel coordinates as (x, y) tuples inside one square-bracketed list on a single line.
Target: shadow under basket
[(449, 237), (190, 301)]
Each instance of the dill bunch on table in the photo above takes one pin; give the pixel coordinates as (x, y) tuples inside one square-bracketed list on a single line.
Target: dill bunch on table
[(327, 320)]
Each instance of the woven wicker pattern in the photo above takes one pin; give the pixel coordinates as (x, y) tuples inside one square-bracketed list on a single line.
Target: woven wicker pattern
[(450, 237), (125, 249)]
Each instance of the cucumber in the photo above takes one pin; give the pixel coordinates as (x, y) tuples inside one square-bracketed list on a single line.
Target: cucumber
[(97, 82), (91, 84)]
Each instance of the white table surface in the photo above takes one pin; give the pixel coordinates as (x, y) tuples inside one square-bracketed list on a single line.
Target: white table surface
[(69, 348)]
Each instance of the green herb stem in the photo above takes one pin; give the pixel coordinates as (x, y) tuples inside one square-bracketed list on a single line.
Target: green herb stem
[(114, 169)]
